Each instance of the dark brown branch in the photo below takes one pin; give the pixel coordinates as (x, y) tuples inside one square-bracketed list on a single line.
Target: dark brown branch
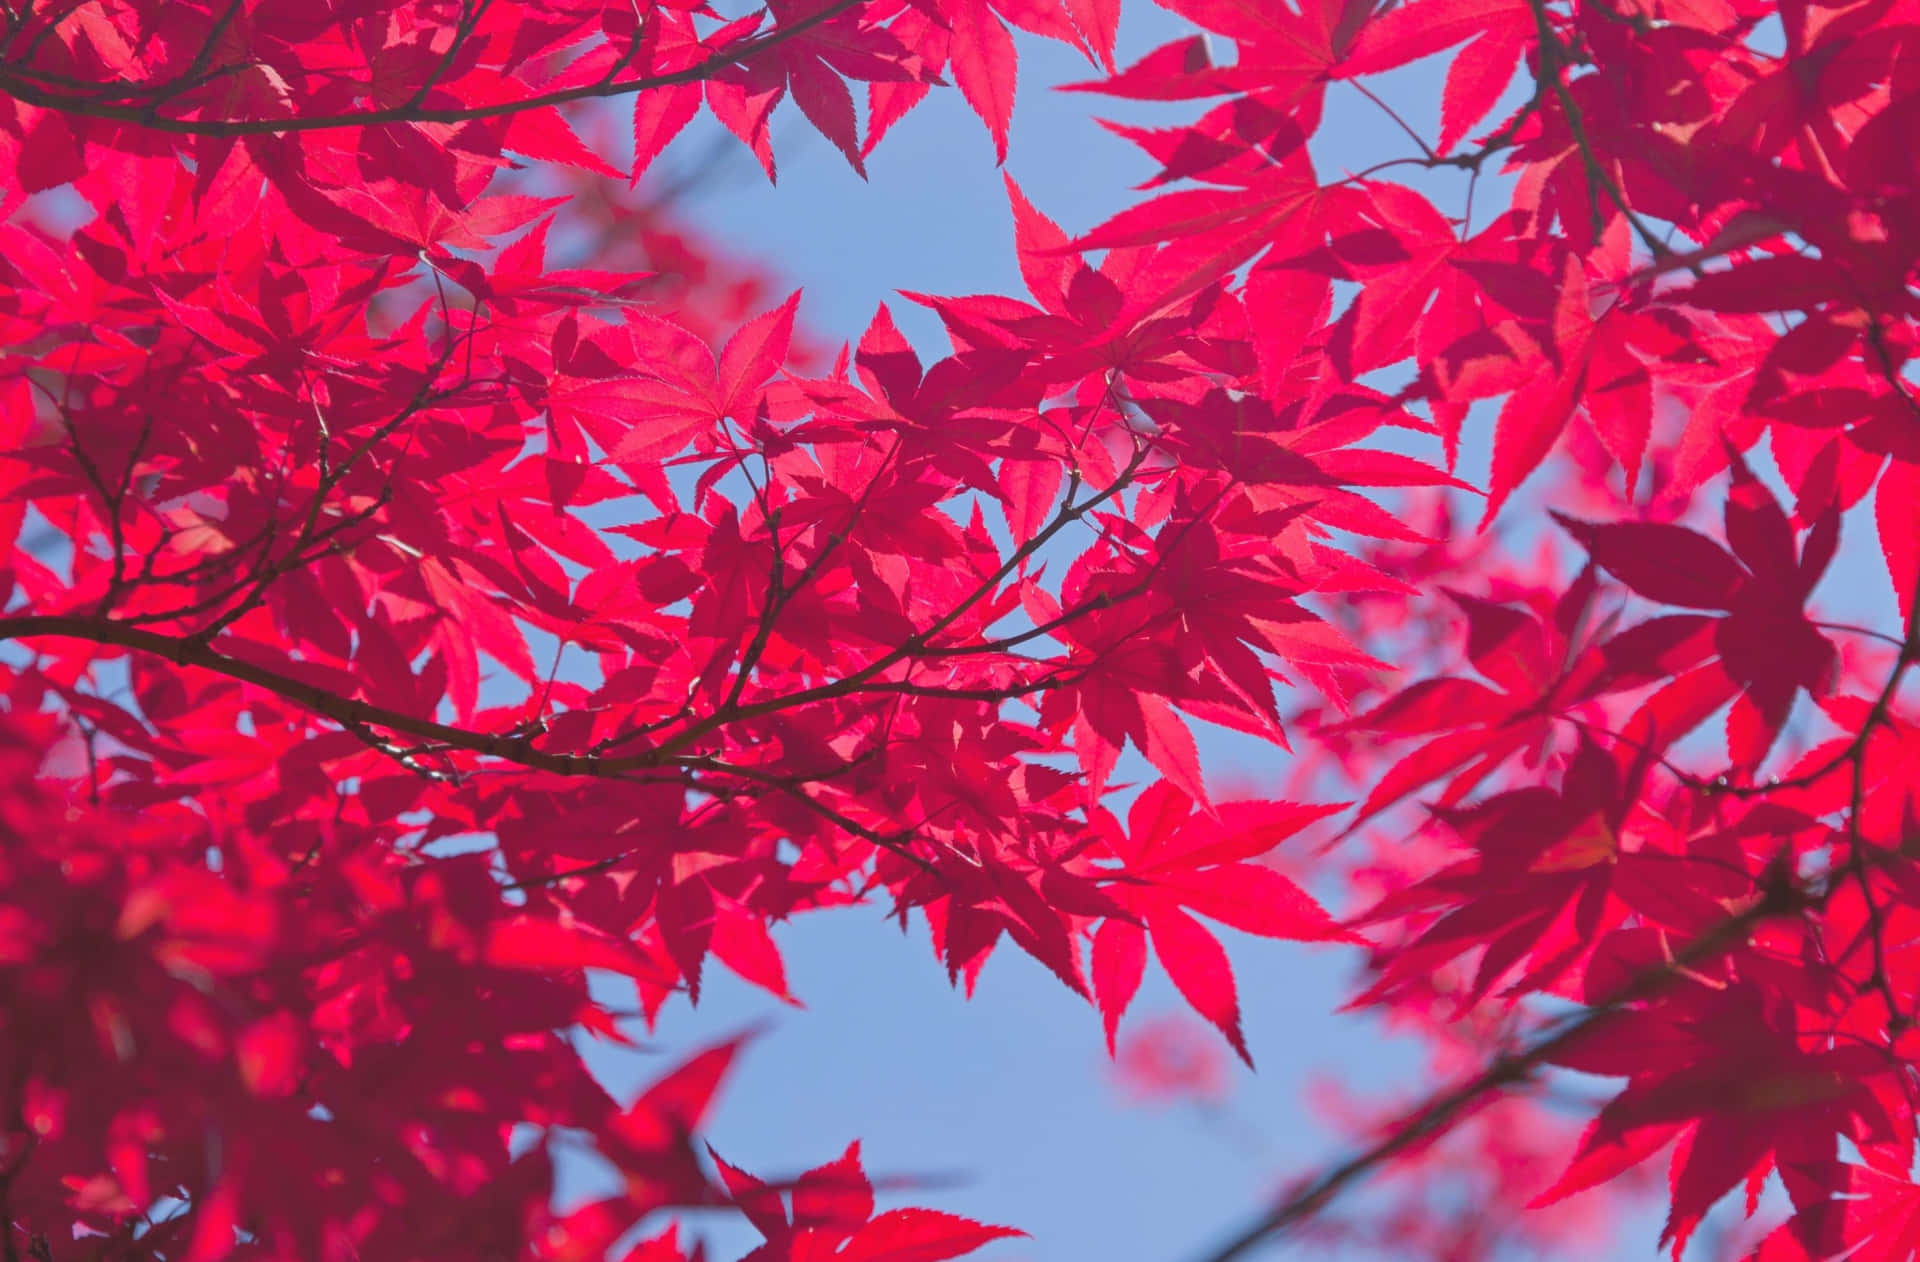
[(553, 878), (916, 644), (1554, 62), (794, 787), (16, 82), (1779, 896), (346, 711), (1442, 1111), (1856, 868)]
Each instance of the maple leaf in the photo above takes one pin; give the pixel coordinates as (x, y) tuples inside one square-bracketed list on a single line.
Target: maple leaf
[(1727, 1075), (651, 1141), (1496, 33), (1538, 668), (681, 390), (376, 476), (1552, 872), (982, 55), (1215, 231), (1765, 642), (1090, 322), (810, 67), (971, 37), (1875, 1219), (833, 1217), (1577, 360), (1173, 862)]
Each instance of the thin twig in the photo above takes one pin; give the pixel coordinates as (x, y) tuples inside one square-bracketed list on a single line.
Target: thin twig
[(16, 83)]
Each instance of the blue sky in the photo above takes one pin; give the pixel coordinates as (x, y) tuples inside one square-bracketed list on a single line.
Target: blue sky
[(1006, 1099)]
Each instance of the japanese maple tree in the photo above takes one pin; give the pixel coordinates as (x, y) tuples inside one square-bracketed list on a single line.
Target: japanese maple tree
[(433, 575)]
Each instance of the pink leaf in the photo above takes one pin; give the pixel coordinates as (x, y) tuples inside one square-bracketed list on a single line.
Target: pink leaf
[(920, 1235), (1119, 964), (984, 64), (1199, 969), (753, 355)]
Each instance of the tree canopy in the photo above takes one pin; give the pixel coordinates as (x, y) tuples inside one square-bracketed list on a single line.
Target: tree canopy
[(433, 575)]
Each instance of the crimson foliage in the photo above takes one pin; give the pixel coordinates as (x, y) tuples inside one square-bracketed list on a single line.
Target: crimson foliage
[(348, 517)]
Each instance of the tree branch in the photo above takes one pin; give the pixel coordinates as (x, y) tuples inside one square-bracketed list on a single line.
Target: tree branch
[(16, 81), (1779, 896), (346, 711), (1441, 1111)]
